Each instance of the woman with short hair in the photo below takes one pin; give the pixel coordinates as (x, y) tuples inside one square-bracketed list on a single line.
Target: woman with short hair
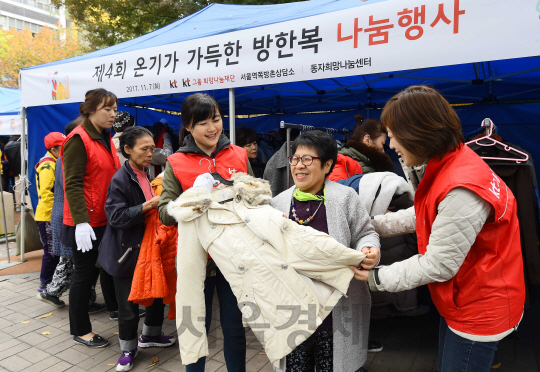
[(468, 233), (339, 343)]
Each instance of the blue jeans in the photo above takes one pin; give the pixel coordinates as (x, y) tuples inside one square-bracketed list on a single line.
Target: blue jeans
[(234, 335), (457, 354)]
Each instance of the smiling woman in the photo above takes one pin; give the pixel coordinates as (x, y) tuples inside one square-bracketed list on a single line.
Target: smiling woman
[(338, 211), (468, 237), (206, 149)]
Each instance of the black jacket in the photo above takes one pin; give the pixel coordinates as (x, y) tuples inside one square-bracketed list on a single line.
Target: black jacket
[(13, 154), (125, 229)]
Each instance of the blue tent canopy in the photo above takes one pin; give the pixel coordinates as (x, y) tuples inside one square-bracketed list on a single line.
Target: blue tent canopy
[(10, 101), (500, 89)]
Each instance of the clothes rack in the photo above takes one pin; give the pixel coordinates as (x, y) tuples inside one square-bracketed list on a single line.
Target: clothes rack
[(303, 128)]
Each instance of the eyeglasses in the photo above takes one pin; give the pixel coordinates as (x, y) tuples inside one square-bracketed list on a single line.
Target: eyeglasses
[(307, 160)]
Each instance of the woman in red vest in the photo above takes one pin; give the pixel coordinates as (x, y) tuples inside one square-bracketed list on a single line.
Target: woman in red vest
[(206, 149), (90, 161), (468, 233)]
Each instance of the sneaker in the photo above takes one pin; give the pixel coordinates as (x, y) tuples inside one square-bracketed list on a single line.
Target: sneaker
[(158, 341), (51, 300), (42, 287), (374, 346), (125, 363), (96, 307), (113, 315), (96, 341)]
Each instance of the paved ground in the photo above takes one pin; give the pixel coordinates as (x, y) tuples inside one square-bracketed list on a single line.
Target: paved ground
[(410, 344)]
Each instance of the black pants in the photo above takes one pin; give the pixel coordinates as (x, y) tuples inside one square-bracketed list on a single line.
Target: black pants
[(85, 274), (128, 314), (316, 353)]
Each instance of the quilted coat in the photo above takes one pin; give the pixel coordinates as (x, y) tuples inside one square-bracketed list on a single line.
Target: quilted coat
[(155, 273), (280, 272), (348, 223)]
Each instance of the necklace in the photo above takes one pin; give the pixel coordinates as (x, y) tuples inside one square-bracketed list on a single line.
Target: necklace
[(309, 219)]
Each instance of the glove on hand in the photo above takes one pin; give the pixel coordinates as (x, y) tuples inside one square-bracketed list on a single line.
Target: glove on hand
[(205, 181), (84, 234)]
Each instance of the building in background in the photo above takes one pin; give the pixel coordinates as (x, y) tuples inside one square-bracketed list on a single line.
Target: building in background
[(32, 14)]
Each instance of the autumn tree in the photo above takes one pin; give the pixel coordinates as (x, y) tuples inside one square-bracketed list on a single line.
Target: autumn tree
[(109, 22), (19, 49)]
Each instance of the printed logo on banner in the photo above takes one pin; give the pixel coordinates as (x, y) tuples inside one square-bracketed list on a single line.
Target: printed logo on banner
[(60, 91), (349, 42)]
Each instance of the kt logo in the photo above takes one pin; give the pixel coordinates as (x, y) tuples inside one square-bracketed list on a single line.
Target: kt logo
[(185, 83), (172, 84)]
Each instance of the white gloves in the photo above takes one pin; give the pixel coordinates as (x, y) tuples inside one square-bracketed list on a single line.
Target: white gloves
[(205, 181), (84, 234)]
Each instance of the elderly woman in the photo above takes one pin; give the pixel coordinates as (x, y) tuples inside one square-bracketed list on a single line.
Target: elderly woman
[(339, 343), (129, 199), (468, 233)]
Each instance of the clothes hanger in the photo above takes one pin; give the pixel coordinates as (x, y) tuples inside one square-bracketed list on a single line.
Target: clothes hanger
[(488, 123), (216, 175)]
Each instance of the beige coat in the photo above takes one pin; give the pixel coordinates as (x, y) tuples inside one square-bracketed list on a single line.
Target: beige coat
[(286, 277)]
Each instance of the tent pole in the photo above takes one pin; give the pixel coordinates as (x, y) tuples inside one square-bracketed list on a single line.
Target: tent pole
[(4, 218), (232, 116), (22, 185)]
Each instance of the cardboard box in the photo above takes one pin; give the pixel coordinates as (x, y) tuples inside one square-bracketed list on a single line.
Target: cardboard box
[(10, 214)]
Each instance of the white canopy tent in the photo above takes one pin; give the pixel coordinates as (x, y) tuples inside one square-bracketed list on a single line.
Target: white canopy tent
[(256, 49)]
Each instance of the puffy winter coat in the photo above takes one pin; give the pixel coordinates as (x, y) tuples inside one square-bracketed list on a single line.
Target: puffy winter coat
[(280, 272), (349, 223), (155, 273)]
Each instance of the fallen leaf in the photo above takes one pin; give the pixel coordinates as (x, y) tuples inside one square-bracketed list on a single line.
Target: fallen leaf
[(155, 361), (46, 316), (115, 333), (262, 353), (46, 333), (111, 364), (25, 322)]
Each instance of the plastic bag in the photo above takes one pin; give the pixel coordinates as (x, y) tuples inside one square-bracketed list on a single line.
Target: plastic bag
[(32, 239)]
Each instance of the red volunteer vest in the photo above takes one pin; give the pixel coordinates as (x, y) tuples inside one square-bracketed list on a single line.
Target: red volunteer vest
[(346, 167), (101, 165), (487, 295), (187, 167)]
